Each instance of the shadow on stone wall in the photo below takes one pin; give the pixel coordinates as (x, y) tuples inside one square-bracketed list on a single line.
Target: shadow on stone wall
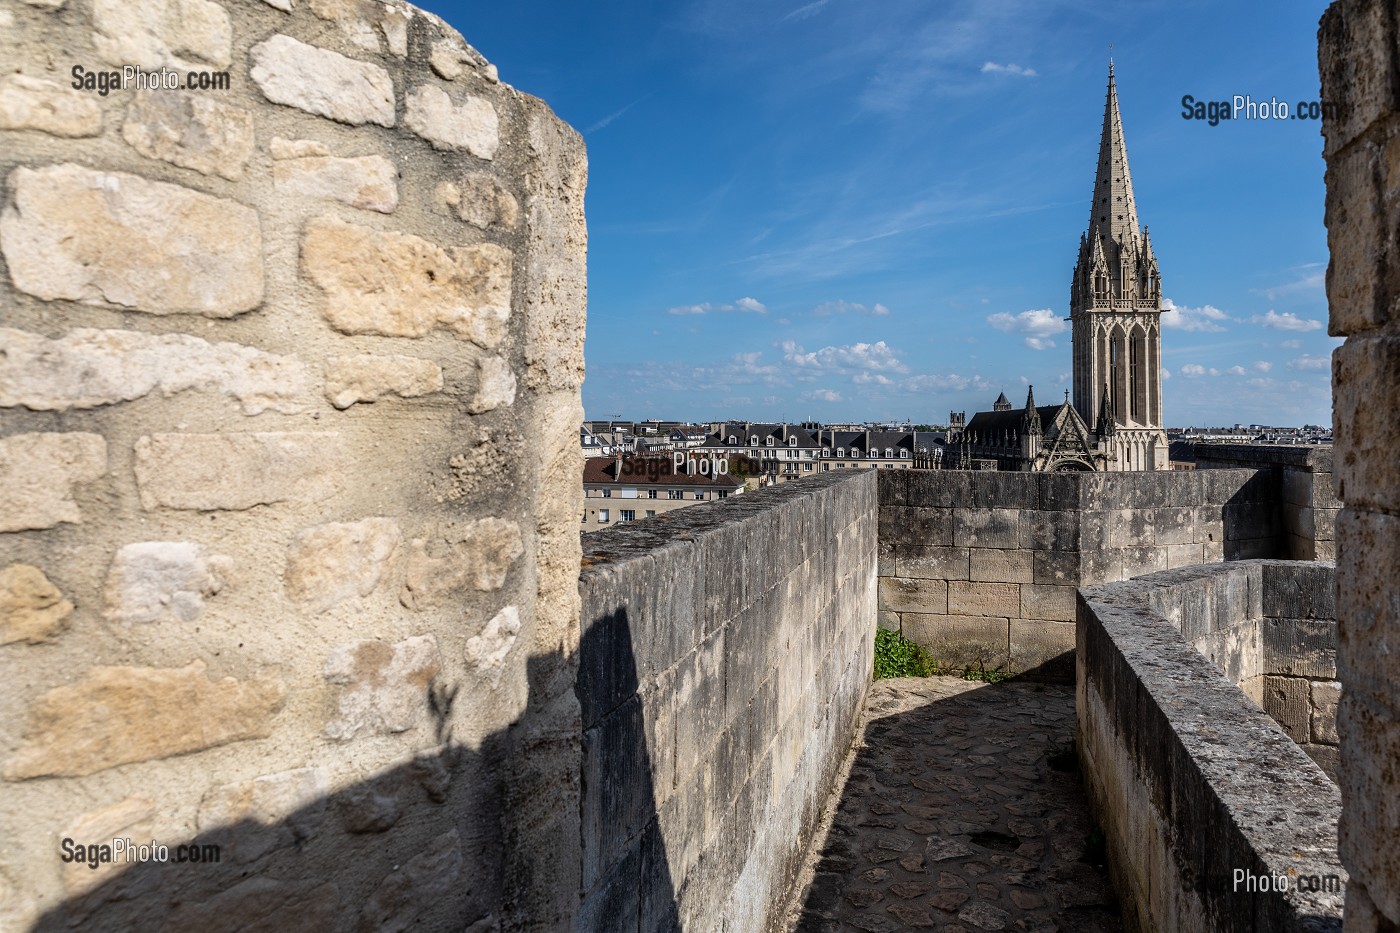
[(456, 838)]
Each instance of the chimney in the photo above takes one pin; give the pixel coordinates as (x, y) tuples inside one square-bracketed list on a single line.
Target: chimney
[(617, 468)]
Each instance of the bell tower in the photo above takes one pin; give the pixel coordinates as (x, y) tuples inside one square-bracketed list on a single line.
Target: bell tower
[(1116, 310)]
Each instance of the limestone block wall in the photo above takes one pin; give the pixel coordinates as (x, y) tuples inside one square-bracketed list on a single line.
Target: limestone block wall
[(289, 385), (1307, 494), (1197, 789), (1359, 62), (726, 652), (981, 567)]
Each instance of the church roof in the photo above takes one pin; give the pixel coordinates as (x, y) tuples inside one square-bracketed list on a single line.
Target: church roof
[(989, 424), (1114, 210)]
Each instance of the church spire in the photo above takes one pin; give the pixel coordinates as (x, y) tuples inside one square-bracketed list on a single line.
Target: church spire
[(1114, 211), (1030, 418)]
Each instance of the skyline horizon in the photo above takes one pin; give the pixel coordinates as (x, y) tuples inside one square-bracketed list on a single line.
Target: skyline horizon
[(823, 211)]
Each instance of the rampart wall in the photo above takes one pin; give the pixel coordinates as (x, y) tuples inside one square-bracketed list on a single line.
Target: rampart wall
[(289, 552), (726, 652), (1359, 62)]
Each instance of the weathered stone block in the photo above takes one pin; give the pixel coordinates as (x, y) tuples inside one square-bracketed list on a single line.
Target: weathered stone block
[(992, 565), (486, 652), (38, 473), (1055, 603), (116, 715), (260, 905), (194, 131), (471, 125), (383, 687), (984, 599), (933, 563), (999, 528), (29, 103), (1058, 567), (411, 889), (1367, 612), (478, 556), (482, 201), (328, 564), (400, 285), (912, 594), (181, 34), (1286, 700), (1043, 644), (1299, 591), (237, 471), (90, 368), (495, 385), (1185, 555), (1173, 526), (1131, 528), (32, 609), (266, 813), (81, 234), (308, 169), (1326, 694), (132, 818), (369, 378), (956, 641), (1140, 560), (912, 526), (1054, 530), (162, 581), (1370, 746), (323, 82), (1366, 390)]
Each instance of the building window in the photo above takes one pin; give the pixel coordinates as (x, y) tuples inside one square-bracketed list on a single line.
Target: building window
[(700, 494), (675, 494), (770, 442), (826, 467), (627, 515), (723, 493), (826, 451), (792, 442), (602, 516), (889, 453), (651, 513), (806, 468), (651, 493), (733, 440), (904, 455), (840, 451), (606, 493), (753, 440)]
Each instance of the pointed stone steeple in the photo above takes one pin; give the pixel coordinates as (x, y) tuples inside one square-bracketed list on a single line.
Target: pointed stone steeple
[(1030, 419), (1114, 212), (1105, 427), (1002, 403)]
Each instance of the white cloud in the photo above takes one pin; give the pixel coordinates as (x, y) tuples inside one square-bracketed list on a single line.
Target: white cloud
[(743, 304), (1292, 344), (1037, 325), (1236, 370), (802, 12), (1308, 362), (832, 308), (1166, 374), (863, 379), (823, 395), (1008, 69), (856, 357), (1311, 277), (1204, 318), (1263, 365), (1193, 369), (1285, 321), (928, 381)]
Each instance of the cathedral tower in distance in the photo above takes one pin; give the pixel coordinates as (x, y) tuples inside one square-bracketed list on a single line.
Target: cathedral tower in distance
[(1115, 314)]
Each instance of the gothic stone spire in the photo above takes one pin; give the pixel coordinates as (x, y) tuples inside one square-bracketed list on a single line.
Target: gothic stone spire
[(1114, 212)]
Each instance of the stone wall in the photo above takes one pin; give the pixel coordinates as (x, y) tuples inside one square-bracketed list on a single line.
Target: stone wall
[(288, 555), (726, 652), (1197, 789), (982, 567), (1359, 61), (1307, 493)]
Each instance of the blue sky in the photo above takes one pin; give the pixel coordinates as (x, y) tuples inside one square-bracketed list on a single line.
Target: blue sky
[(847, 210)]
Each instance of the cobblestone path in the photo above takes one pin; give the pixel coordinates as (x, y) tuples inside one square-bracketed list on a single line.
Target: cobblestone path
[(958, 816)]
